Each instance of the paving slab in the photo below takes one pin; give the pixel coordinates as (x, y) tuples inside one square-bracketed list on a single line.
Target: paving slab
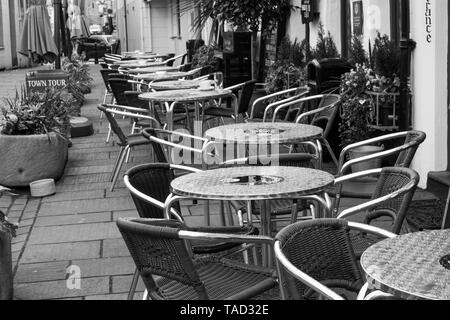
[(59, 289), (62, 251), (105, 266), (41, 272), (74, 233), (74, 195), (86, 206), (122, 284), (73, 219), (114, 248)]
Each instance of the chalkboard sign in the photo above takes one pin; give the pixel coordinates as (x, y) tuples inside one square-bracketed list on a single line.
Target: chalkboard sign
[(358, 18), (39, 81)]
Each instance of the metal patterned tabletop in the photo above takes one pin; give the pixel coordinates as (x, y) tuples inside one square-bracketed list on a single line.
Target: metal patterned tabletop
[(252, 183), (153, 70), (142, 55), (189, 95), (283, 133), (175, 85), (411, 266), (139, 64), (162, 76)]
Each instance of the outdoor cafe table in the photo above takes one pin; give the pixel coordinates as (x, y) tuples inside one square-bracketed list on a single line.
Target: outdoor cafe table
[(132, 64), (195, 96), (152, 69), (411, 266), (149, 77), (254, 184), (175, 85), (276, 133)]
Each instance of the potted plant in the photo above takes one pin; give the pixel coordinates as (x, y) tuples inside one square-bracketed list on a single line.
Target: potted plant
[(33, 137), (7, 232), (80, 80), (385, 88), (288, 69), (204, 57), (357, 114)]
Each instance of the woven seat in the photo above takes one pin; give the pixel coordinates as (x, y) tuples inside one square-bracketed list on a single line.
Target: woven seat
[(317, 259), (158, 248)]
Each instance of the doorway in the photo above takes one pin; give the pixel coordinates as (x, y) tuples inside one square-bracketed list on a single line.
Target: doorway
[(12, 26)]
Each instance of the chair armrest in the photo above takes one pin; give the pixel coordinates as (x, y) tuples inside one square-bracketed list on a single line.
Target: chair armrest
[(267, 97), (346, 150), (231, 238), (135, 116), (373, 203), (127, 108)]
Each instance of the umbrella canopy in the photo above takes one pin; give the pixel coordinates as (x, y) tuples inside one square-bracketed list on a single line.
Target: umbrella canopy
[(36, 40), (76, 23)]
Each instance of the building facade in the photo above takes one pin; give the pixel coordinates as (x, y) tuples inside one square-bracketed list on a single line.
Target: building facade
[(12, 13), (429, 67), (154, 25)]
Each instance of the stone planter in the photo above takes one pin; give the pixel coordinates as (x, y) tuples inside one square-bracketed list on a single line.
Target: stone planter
[(24, 159), (6, 273)]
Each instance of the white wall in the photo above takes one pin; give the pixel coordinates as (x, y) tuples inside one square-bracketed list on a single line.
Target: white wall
[(429, 83), (5, 52)]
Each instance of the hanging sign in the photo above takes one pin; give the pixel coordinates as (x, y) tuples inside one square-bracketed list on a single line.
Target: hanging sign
[(307, 10), (358, 18)]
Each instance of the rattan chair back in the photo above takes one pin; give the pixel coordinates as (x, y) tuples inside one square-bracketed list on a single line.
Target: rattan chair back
[(157, 250), (323, 250), (153, 180), (390, 180), (123, 141), (118, 88)]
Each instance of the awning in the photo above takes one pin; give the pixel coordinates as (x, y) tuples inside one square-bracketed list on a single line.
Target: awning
[(36, 40)]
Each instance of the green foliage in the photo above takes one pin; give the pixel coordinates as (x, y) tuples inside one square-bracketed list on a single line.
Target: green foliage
[(248, 13), (284, 76), (386, 57), (357, 53), (80, 81), (6, 226), (325, 47), (288, 69), (36, 113), (356, 108), (291, 53), (204, 56)]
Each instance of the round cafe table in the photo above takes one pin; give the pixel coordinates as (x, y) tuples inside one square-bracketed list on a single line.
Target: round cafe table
[(133, 64), (160, 68), (149, 77), (175, 85), (196, 96), (411, 266), (276, 133), (254, 184)]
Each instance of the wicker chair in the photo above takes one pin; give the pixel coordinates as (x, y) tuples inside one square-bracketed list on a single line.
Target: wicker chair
[(126, 143), (245, 92), (265, 104), (149, 185), (316, 259), (393, 193), (403, 154), (161, 252)]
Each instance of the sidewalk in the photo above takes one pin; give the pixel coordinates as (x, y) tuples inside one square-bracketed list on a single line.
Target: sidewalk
[(76, 227)]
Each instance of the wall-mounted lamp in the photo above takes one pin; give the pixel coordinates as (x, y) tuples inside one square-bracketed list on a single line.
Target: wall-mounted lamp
[(308, 11)]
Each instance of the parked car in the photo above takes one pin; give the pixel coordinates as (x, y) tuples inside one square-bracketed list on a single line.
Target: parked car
[(93, 47), (95, 29)]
